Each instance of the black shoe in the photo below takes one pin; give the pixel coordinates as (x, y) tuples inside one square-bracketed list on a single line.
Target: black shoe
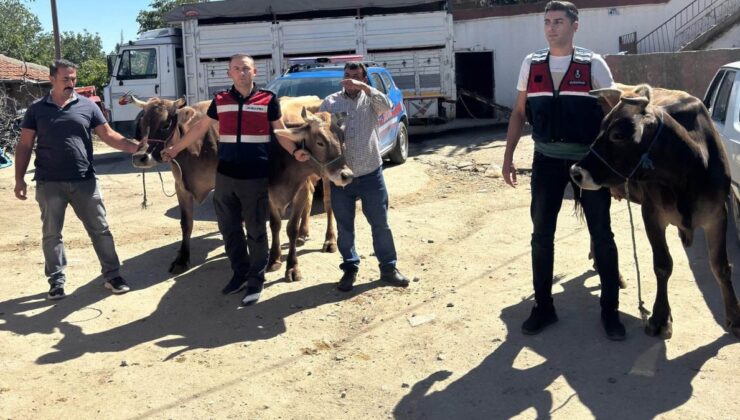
[(540, 318), (117, 285), (236, 284), (252, 296), (612, 325), (394, 278), (56, 292), (347, 281)]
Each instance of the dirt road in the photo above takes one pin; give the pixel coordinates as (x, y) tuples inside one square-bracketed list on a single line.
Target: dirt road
[(447, 347)]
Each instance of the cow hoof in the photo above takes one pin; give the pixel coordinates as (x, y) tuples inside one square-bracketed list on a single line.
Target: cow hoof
[(665, 331), (733, 327), (293, 275), (329, 247), (178, 268), (274, 266), (301, 240)]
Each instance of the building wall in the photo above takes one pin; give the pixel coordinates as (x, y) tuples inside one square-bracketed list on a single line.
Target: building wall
[(729, 39), (659, 69), (513, 37)]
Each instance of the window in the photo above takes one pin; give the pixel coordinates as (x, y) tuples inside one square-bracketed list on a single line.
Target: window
[(378, 83), (321, 87), (712, 91), (138, 64), (387, 80), (719, 108)]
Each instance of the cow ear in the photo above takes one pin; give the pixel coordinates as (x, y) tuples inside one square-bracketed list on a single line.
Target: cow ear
[(185, 115), (609, 97), (180, 103), (293, 134), (339, 119)]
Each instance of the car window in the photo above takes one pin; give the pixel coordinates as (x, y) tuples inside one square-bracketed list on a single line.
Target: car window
[(719, 108), (712, 91), (319, 86), (378, 82), (138, 64), (387, 80)]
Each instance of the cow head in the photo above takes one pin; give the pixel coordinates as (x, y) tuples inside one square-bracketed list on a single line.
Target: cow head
[(322, 135), (622, 146), (160, 123)]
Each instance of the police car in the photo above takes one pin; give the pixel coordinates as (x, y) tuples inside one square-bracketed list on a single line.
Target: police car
[(320, 76)]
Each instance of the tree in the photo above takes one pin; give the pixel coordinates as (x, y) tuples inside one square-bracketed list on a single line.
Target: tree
[(19, 29), (93, 72), (77, 47), (153, 19)]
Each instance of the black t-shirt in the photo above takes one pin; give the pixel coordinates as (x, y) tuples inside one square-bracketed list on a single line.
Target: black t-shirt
[(64, 149)]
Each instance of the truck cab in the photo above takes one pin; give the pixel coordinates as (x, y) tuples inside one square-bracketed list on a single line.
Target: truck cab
[(149, 66)]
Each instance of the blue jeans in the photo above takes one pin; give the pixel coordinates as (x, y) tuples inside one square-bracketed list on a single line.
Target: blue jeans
[(237, 200), (549, 179), (87, 203), (370, 190)]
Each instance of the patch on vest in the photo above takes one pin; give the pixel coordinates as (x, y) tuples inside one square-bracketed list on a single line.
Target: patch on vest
[(255, 108)]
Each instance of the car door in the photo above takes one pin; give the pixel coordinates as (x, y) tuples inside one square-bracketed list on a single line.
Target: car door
[(136, 73), (723, 106), (387, 127)]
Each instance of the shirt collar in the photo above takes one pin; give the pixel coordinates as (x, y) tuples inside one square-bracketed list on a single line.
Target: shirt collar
[(75, 98), (238, 96)]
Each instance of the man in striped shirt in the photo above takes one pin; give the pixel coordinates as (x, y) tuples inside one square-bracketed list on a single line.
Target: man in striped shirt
[(362, 104), (247, 117)]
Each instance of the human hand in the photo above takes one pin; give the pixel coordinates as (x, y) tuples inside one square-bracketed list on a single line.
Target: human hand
[(352, 84), (508, 171), (21, 190), (301, 155), (168, 154)]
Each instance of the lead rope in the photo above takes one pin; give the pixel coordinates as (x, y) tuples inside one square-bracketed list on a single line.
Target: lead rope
[(640, 303), (144, 203)]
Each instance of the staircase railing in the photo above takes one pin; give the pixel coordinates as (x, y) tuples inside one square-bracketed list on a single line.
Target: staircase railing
[(685, 26)]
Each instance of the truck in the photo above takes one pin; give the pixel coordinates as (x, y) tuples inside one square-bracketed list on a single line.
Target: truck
[(413, 39)]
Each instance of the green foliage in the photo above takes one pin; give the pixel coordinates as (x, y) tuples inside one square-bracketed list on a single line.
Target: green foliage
[(19, 29), (153, 19), (77, 47), (93, 72)]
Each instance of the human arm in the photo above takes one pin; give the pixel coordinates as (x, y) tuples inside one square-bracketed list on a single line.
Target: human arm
[(115, 139), (513, 134), (378, 99), (23, 151), (196, 132)]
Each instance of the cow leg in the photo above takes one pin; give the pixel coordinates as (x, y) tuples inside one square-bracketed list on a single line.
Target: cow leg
[(292, 272), (275, 253), (185, 201), (303, 230), (330, 239), (661, 322), (717, 247)]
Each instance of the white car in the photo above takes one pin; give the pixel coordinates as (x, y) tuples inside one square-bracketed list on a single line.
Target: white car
[(723, 101)]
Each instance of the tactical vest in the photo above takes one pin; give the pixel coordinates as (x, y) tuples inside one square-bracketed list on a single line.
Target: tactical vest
[(568, 114), (244, 134)]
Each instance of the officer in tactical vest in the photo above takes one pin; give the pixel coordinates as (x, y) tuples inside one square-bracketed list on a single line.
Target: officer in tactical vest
[(554, 86)]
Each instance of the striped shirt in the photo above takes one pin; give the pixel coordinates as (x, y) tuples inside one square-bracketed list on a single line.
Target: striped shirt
[(362, 149)]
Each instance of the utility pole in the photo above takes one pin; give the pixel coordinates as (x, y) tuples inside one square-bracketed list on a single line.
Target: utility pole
[(55, 23)]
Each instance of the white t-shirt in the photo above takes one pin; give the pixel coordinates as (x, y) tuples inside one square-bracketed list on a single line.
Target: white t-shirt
[(601, 76)]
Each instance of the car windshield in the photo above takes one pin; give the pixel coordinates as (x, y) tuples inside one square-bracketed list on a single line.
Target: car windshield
[(319, 86)]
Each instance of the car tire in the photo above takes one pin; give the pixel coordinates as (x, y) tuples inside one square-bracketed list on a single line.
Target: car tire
[(734, 211), (400, 151)]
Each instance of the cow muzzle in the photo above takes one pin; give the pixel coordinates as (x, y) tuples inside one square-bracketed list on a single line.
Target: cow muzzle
[(583, 178), (342, 177), (143, 160)]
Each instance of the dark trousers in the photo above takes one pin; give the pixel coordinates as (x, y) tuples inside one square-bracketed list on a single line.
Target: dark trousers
[(370, 190), (549, 179), (237, 201)]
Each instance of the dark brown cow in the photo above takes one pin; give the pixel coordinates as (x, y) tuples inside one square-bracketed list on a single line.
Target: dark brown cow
[(163, 122), (664, 144)]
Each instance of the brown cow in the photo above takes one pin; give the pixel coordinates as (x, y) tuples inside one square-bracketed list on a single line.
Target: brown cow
[(664, 145), (163, 122)]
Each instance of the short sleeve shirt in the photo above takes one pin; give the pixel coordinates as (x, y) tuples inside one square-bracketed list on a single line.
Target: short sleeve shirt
[(64, 150)]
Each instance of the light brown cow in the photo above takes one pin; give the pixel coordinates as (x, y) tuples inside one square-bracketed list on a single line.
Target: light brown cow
[(663, 145), (163, 122)]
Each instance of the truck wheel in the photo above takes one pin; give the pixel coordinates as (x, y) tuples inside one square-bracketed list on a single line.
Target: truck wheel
[(401, 150)]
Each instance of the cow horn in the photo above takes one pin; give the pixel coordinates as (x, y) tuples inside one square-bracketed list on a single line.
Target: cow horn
[(309, 118), (180, 103), (636, 100), (138, 102)]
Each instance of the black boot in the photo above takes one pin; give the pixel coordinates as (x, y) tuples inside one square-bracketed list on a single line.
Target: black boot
[(347, 281), (612, 325), (541, 317), (394, 278)]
